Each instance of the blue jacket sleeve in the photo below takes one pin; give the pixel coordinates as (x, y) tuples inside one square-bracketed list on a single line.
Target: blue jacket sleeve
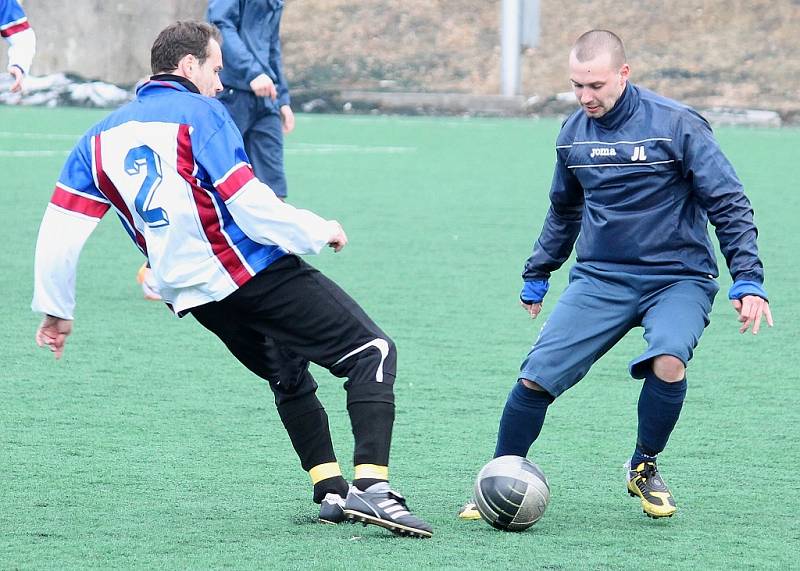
[(276, 62), (561, 225), (720, 193), (237, 59), (10, 11)]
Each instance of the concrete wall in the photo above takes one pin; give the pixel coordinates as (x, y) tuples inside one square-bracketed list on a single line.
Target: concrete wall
[(98, 39)]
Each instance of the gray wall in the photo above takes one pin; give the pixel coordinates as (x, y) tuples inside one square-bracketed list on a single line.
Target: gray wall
[(100, 39)]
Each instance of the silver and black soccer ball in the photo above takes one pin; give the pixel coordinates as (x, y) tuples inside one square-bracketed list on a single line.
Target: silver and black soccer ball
[(511, 493)]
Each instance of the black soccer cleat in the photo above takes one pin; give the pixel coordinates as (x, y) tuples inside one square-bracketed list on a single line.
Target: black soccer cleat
[(645, 482), (331, 509), (380, 505)]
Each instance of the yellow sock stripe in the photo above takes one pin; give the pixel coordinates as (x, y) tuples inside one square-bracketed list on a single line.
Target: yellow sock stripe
[(371, 471), (324, 471)]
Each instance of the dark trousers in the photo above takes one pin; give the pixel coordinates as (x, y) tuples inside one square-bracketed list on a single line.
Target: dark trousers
[(289, 315), (259, 122)]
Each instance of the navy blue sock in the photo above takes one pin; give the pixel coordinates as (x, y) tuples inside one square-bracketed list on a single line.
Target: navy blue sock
[(660, 406), (522, 420)]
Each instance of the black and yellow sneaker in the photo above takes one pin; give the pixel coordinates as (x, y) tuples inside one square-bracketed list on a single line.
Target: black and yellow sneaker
[(645, 483)]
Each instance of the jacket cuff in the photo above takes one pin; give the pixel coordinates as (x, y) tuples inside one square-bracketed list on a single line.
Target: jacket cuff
[(741, 288), (534, 291)]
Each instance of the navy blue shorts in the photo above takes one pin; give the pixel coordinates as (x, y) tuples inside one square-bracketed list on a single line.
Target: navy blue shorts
[(599, 307), (262, 130)]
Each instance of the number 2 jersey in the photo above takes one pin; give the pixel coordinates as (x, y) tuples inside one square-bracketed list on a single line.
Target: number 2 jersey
[(172, 166)]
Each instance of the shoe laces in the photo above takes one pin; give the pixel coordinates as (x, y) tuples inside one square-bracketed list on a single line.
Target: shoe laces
[(649, 470), (398, 498), (331, 498)]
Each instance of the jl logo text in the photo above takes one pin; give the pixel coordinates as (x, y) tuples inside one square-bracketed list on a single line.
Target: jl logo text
[(638, 154)]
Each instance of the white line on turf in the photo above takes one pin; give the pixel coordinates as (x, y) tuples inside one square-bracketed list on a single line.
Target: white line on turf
[(33, 153), (48, 136), (327, 148)]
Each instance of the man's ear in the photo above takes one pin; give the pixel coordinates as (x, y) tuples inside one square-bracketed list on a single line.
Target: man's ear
[(187, 66)]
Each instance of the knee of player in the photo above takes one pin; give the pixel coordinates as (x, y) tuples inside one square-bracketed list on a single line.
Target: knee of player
[(391, 346), (669, 368), (531, 385)]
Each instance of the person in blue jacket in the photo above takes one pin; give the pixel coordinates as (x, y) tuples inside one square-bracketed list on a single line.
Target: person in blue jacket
[(222, 247), (255, 90), (637, 179)]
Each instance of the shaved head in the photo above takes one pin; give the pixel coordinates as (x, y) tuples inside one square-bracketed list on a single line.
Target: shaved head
[(598, 71), (595, 43)]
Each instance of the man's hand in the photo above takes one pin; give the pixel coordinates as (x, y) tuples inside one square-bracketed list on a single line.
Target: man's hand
[(16, 87), (338, 240), (751, 308), (287, 119), (263, 86), (533, 309), (53, 332)]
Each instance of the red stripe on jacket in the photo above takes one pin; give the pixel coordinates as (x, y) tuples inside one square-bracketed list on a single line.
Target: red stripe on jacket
[(208, 213), (78, 203), (235, 181), (111, 193), (15, 29)]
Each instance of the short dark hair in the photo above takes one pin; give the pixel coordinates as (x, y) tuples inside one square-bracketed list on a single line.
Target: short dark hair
[(180, 39), (596, 42)]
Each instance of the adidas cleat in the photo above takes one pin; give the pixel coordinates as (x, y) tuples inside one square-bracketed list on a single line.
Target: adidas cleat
[(645, 482), (469, 512), (331, 509), (380, 505)]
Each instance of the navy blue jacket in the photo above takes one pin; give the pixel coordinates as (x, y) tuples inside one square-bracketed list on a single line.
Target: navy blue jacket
[(251, 43), (637, 188)]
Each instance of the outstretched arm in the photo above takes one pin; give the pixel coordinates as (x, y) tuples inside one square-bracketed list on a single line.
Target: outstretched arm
[(720, 192)]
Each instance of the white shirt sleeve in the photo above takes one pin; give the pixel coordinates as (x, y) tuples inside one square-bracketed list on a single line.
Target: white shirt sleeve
[(61, 239), (268, 220), (22, 47)]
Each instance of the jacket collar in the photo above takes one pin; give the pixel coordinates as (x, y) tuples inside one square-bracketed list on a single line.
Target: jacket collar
[(623, 109), (168, 80)]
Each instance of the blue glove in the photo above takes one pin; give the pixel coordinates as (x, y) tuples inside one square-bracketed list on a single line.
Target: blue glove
[(534, 291), (741, 288)]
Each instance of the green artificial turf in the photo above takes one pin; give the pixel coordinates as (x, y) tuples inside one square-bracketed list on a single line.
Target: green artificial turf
[(148, 446)]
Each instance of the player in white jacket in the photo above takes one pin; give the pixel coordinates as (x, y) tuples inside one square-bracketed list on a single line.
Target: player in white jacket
[(14, 27), (224, 248)]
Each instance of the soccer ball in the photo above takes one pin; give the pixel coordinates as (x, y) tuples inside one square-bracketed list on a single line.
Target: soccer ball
[(511, 493)]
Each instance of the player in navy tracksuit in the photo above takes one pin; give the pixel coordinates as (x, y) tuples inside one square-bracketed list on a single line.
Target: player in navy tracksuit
[(637, 179), (256, 93)]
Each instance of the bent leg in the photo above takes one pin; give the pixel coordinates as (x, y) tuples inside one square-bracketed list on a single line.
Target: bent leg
[(674, 319), (301, 309), (592, 315), (294, 388)]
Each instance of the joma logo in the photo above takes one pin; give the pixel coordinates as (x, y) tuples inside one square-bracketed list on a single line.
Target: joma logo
[(603, 152)]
